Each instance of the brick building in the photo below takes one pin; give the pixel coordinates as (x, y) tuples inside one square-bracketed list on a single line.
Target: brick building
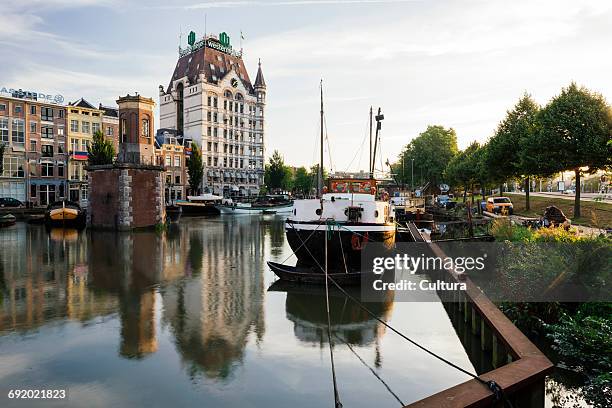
[(33, 130)]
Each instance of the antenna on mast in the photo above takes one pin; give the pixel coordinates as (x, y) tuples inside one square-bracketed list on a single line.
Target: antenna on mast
[(320, 175)]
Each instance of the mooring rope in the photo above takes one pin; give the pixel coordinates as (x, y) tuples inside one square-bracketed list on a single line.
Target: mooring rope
[(490, 384), (337, 402)]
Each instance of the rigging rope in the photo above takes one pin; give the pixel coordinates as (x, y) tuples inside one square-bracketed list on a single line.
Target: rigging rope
[(337, 402), (490, 384)]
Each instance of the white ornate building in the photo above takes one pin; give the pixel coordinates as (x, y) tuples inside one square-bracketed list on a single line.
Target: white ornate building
[(210, 100)]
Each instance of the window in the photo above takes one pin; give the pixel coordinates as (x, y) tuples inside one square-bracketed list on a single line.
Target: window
[(168, 178), (209, 160), (208, 116), (168, 161), (46, 131), (215, 147), (18, 108), (47, 194), (109, 131), (47, 150), (215, 102), (95, 127), (18, 131), (32, 127), (209, 146), (32, 145), (46, 113), (209, 131), (177, 161), (145, 128), (61, 113), (60, 170), (2, 107), (61, 148), (74, 125), (123, 130), (177, 179), (85, 127), (210, 101), (74, 145), (13, 166), (32, 110), (46, 169), (60, 131), (4, 132)]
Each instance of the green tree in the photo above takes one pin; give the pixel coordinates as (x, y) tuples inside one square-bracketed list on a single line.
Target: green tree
[(432, 150), (464, 168), (101, 151), (303, 181), (575, 133), (277, 175), (505, 156), (195, 168)]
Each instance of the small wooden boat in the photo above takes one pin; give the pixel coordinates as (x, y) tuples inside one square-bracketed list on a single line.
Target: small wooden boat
[(65, 214), (310, 276), (7, 220), (173, 213), (199, 205)]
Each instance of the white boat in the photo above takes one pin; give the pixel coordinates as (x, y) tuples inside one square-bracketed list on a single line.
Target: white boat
[(200, 205), (248, 208)]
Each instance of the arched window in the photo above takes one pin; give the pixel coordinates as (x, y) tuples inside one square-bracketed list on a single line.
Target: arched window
[(228, 94), (145, 132), (239, 97)]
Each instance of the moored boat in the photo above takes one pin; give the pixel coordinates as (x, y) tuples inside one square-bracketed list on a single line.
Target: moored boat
[(65, 214), (200, 205), (263, 205), (7, 220)]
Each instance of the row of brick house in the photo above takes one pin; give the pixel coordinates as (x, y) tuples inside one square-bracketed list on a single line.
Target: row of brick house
[(46, 144)]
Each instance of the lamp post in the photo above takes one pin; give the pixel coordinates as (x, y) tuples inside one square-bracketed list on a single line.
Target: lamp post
[(412, 175)]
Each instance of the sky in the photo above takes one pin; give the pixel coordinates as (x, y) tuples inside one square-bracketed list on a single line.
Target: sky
[(459, 64)]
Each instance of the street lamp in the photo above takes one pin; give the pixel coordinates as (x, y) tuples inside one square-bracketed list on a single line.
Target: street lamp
[(412, 176)]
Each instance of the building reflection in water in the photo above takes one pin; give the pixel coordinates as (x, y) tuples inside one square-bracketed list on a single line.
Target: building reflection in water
[(212, 316), (207, 275)]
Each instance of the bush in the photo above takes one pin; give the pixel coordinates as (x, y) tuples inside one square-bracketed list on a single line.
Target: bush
[(503, 229)]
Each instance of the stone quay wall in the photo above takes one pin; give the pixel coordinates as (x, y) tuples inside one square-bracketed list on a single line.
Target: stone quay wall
[(125, 196)]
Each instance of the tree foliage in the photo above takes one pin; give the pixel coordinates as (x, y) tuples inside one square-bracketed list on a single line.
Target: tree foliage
[(431, 151), (195, 168), (101, 151), (278, 176), (303, 181), (465, 168), (574, 134)]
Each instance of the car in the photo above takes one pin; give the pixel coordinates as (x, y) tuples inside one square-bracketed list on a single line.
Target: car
[(500, 205), (571, 191), (10, 202)]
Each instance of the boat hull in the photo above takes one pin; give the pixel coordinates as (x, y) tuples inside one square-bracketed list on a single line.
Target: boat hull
[(189, 209), (173, 213), (238, 210), (309, 276), (7, 220), (344, 246), (67, 215)]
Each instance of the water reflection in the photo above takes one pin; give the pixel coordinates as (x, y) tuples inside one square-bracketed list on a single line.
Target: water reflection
[(305, 306)]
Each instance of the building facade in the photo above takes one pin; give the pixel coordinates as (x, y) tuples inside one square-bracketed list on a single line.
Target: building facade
[(84, 119), (170, 153), (211, 100), (110, 124), (33, 131)]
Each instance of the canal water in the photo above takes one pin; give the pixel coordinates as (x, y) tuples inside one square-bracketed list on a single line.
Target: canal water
[(192, 317)]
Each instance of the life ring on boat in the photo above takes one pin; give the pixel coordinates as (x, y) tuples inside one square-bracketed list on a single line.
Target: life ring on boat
[(358, 242)]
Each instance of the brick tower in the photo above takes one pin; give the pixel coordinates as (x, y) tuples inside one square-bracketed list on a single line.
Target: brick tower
[(136, 138)]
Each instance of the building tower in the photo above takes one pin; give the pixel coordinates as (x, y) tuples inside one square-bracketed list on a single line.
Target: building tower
[(211, 101), (136, 138)]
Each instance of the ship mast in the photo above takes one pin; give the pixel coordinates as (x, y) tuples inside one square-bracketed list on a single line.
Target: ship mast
[(320, 175), (370, 170)]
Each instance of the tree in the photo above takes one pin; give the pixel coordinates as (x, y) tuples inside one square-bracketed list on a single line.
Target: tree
[(464, 168), (277, 175), (303, 181), (101, 151), (575, 133), (195, 168), (506, 150), (432, 150)]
